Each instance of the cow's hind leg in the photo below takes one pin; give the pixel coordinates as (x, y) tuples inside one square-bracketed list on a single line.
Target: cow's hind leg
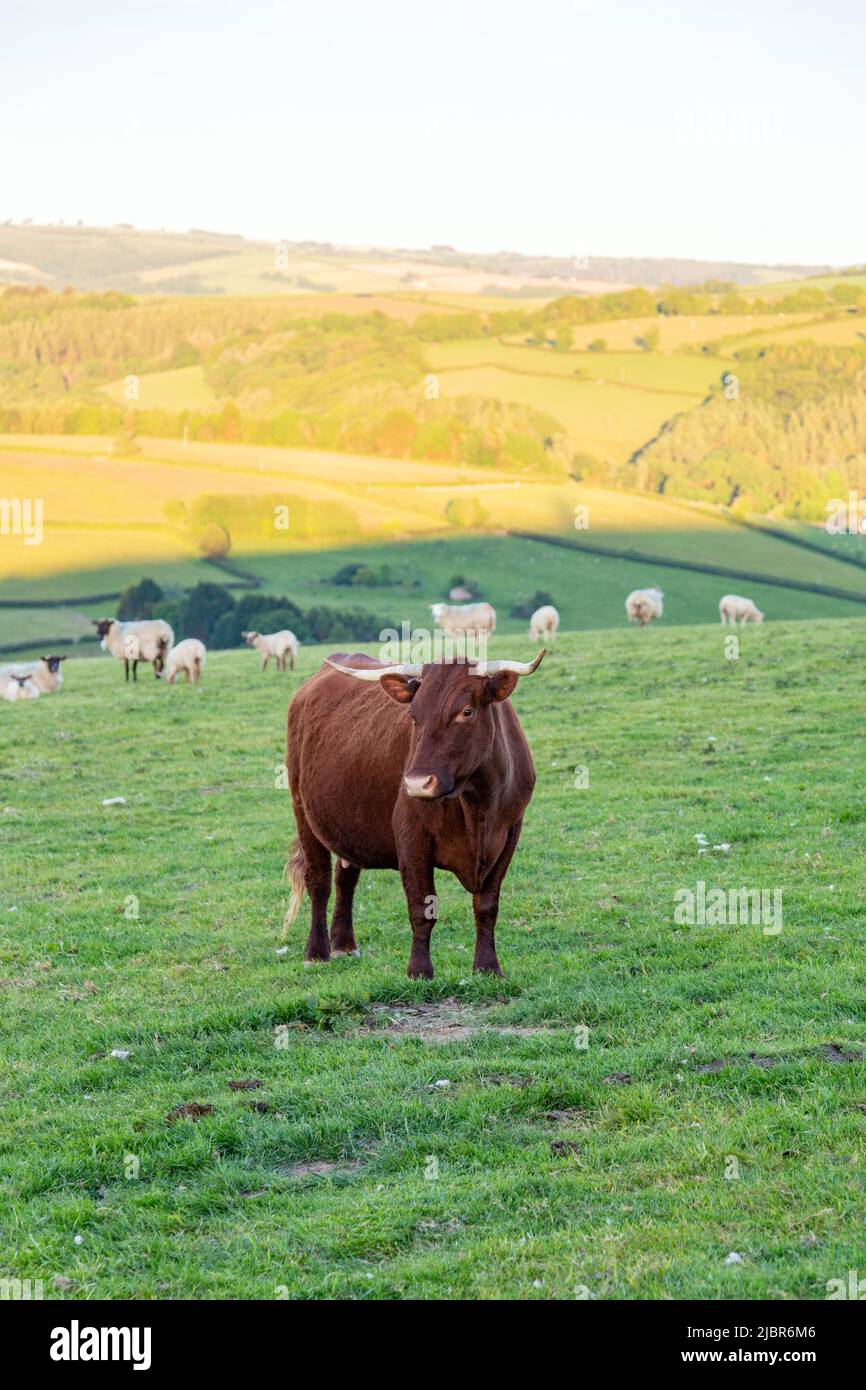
[(342, 931), (317, 877)]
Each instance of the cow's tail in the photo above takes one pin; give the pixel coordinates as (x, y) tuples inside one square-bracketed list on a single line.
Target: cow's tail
[(295, 866)]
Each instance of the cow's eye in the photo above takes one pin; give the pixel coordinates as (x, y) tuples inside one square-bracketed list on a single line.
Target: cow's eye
[(467, 712)]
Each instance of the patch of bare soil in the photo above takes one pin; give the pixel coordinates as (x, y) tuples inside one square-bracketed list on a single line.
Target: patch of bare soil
[(443, 1021), (190, 1111), (320, 1168), (832, 1052), (577, 1119)]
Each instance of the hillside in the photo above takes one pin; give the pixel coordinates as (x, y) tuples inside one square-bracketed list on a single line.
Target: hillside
[(206, 263)]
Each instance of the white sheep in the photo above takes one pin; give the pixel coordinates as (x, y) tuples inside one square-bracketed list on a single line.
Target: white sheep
[(277, 644), (733, 608), (148, 640), (15, 687), (464, 618), (544, 624), (188, 656), (642, 605), (45, 673)]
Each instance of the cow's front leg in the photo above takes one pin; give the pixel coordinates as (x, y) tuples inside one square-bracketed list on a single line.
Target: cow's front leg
[(486, 906), (420, 889)]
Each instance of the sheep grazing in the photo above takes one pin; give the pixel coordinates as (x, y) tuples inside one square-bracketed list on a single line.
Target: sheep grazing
[(733, 609), (148, 640), (15, 687), (277, 644), (544, 625), (189, 657), (464, 618), (642, 605)]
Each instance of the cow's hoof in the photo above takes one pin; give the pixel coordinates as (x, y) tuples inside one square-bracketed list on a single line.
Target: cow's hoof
[(338, 952), (320, 960), (420, 972), (492, 968)]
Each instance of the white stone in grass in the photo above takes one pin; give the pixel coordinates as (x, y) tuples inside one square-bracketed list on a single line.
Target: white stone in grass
[(79, 1240), (438, 1085), (114, 801), (120, 1053), (281, 951), (733, 1258)]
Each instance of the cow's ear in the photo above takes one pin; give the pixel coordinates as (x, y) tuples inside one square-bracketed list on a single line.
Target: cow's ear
[(500, 686), (400, 688)]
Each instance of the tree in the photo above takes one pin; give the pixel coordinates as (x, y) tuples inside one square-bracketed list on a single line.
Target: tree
[(137, 600), (215, 541), (847, 294), (465, 512), (648, 341)]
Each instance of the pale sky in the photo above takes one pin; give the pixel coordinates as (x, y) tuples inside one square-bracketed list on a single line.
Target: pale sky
[(730, 130)]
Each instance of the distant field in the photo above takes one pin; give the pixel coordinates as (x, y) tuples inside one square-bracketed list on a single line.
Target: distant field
[(649, 371), (840, 332), (589, 590), (182, 388), (105, 526), (676, 331), (607, 420), (777, 289)]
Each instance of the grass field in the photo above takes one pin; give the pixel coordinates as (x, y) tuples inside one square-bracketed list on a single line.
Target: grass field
[(541, 1170), (181, 388)]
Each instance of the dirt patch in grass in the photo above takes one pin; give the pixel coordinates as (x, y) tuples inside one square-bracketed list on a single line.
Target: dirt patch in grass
[(564, 1146), (320, 1168), (192, 1110), (443, 1021), (575, 1119), (833, 1053)]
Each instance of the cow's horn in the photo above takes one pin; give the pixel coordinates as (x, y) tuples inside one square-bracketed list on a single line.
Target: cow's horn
[(367, 673), (520, 668)]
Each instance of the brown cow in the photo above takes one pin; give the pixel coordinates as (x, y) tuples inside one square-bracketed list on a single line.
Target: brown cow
[(406, 767)]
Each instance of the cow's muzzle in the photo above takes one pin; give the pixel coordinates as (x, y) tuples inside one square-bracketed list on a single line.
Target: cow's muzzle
[(425, 785)]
